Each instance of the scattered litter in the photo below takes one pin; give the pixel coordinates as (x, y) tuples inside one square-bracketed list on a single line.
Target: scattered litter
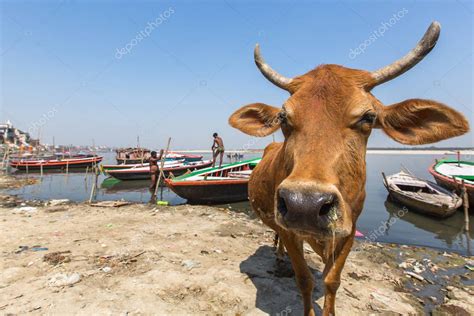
[(107, 269), (162, 203), (63, 279), (470, 267), (38, 248), (25, 209), (57, 257), (414, 275), (21, 249), (403, 265), (358, 234), (110, 204), (218, 251), (110, 225), (58, 202), (34, 248), (190, 264)]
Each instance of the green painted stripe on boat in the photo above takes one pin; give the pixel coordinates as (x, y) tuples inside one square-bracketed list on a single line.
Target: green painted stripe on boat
[(449, 161), (252, 162)]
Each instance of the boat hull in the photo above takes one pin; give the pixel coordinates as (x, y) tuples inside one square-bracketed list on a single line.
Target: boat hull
[(144, 173), (211, 192), (450, 184), (422, 207), (55, 164)]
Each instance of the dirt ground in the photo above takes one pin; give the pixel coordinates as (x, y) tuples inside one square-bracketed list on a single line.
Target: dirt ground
[(140, 259)]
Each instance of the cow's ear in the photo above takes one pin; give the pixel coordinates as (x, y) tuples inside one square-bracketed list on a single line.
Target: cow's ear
[(417, 122), (256, 119)]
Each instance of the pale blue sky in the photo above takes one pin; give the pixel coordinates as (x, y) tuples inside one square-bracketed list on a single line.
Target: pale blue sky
[(187, 74)]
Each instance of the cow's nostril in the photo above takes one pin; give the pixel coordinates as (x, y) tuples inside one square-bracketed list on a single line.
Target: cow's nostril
[(281, 206), (325, 209)]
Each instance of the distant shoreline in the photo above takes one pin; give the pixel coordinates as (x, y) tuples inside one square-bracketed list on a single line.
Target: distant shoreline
[(440, 151)]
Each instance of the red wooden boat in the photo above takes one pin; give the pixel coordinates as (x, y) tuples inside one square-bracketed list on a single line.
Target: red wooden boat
[(143, 173), (50, 164)]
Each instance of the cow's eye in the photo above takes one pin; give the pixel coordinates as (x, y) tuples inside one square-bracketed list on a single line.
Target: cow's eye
[(367, 118)]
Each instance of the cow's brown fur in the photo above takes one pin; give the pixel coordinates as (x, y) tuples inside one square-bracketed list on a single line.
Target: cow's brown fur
[(324, 149)]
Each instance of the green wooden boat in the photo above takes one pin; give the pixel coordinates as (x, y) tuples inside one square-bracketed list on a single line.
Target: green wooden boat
[(226, 184), (450, 173)]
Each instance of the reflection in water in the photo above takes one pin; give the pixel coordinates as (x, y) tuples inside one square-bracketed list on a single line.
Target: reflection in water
[(450, 230), (112, 185)]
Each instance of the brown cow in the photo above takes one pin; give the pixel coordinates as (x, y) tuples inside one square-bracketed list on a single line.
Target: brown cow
[(311, 187)]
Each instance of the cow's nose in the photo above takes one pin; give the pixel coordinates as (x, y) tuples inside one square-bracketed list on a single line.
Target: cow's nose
[(308, 207)]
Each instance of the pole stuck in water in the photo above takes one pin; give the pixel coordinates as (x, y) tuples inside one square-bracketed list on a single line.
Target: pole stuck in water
[(465, 202), (162, 164)]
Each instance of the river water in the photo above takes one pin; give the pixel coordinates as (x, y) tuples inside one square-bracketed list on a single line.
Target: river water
[(381, 220)]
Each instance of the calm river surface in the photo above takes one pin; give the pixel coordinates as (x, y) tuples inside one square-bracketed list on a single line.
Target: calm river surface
[(409, 228)]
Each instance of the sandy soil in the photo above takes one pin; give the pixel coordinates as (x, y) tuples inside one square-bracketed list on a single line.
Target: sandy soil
[(139, 259)]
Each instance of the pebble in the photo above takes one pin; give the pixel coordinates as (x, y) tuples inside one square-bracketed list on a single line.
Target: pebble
[(63, 279)]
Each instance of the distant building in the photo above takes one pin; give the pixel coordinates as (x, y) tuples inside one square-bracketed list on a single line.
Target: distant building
[(15, 137)]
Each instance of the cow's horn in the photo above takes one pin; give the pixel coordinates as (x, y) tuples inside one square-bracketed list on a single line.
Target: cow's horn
[(424, 46), (268, 72)]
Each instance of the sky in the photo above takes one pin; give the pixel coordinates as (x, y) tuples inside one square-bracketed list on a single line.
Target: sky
[(104, 73)]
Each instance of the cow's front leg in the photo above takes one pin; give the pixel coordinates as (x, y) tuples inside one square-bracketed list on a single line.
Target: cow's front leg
[(304, 278), (335, 260)]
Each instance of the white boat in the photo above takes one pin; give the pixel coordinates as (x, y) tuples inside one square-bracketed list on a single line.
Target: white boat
[(421, 195)]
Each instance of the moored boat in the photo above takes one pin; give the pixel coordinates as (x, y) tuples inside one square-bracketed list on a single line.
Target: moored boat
[(215, 185), (451, 173), (129, 166), (179, 156), (420, 195), (142, 173), (132, 155), (50, 164)]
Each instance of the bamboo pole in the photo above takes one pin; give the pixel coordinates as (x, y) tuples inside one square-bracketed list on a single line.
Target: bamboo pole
[(466, 206), (87, 171), (94, 186), (162, 164)]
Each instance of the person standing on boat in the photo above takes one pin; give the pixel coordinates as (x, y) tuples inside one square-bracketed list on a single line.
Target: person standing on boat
[(217, 149), (154, 169)]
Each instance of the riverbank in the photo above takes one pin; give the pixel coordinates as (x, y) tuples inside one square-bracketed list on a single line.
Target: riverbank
[(369, 151), (67, 258), (9, 182)]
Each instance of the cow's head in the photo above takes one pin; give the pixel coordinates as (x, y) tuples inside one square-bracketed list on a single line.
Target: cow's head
[(326, 123)]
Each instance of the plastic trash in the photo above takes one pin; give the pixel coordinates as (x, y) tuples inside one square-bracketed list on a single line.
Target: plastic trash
[(163, 203)]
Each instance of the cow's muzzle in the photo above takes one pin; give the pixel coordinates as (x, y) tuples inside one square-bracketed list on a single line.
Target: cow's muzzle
[(310, 211)]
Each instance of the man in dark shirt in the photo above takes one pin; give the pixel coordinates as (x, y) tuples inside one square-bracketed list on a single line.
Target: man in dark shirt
[(154, 169)]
